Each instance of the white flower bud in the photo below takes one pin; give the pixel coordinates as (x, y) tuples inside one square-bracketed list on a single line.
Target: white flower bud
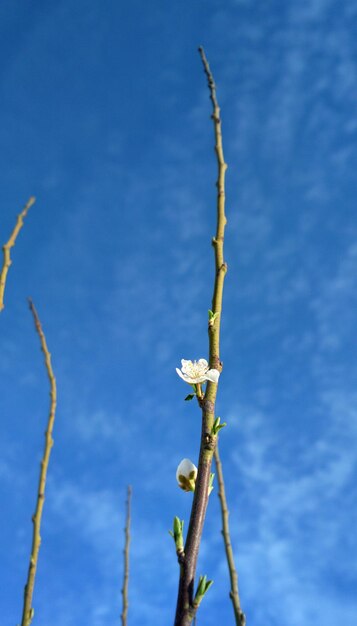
[(186, 475)]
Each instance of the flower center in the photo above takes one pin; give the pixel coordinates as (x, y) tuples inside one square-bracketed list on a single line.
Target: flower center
[(197, 369)]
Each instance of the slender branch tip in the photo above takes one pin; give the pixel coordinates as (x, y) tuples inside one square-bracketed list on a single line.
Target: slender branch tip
[(10, 244)]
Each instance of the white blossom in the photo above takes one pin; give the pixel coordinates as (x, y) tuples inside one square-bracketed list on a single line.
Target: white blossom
[(194, 372), (186, 475)]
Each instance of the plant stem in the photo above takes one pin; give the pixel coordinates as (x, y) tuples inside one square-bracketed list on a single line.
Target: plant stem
[(234, 592), (28, 611), (7, 247), (124, 590), (186, 609)]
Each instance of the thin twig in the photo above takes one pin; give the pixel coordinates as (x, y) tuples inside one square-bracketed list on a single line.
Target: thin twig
[(124, 590), (7, 247), (234, 592), (28, 611), (186, 607)]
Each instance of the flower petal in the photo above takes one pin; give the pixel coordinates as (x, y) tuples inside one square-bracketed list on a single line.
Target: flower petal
[(181, 374), (186, 365), (213, 375)]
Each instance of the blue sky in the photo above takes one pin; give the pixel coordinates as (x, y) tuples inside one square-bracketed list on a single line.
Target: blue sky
[(105, 118)]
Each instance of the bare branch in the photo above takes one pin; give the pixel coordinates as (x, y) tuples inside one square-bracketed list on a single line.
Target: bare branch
[(7, 247), (186, 606), (234, 592), (124, 590), (28, 611)]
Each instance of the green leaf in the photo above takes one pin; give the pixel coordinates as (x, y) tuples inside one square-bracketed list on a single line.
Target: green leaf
[(217, 426), (177, 534), (201, 585), (190, 397), (202, 588), (212, 317), (210, 484), (178, 525)]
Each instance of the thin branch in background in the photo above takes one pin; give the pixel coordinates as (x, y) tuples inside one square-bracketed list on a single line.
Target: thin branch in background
[(187, 602), (7, 247), (28, 611), (124, 590), (234, 592)]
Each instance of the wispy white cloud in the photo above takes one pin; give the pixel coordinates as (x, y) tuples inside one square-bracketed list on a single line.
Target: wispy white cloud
[(95, 515), (299, 512), (5, 470), (336, 303), (100, 426)]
